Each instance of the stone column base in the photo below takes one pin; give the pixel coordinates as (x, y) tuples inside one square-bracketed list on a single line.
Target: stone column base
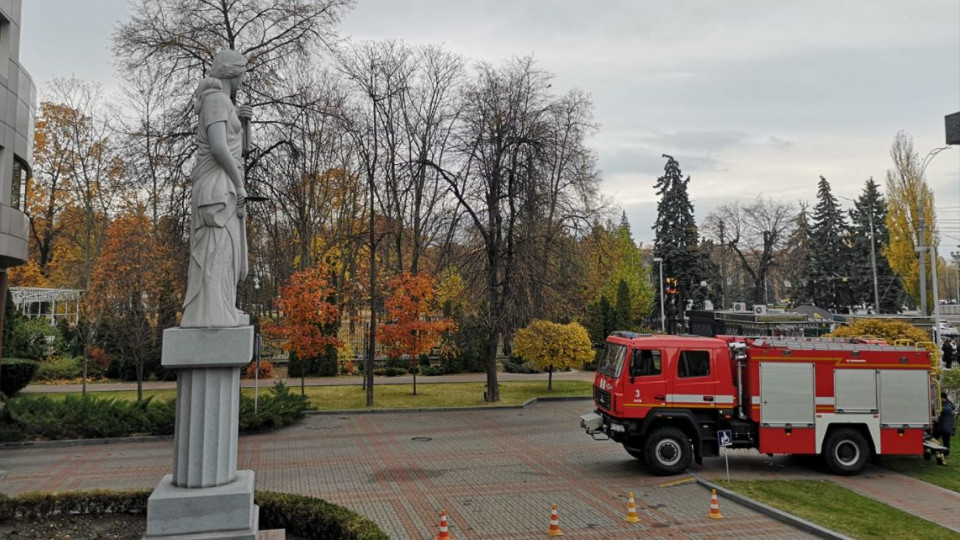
[(223, 512)]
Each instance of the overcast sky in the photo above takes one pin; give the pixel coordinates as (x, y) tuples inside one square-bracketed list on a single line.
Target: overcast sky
[(751, 97)]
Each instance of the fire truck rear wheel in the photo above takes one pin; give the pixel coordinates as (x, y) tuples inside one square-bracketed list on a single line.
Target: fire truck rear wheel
[(846, 452), (668, 451)]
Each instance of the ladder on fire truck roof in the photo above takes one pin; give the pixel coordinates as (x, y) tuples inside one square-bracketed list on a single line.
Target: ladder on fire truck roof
[(827, 344)]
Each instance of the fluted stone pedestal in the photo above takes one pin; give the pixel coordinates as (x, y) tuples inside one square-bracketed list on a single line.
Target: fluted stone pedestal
[(205, 497)]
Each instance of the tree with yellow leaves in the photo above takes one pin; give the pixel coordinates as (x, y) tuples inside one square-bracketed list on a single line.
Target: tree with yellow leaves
[(907, 193), (551, 346), (890, 331)]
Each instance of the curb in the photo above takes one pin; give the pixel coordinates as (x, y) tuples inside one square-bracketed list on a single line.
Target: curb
[(151, 438), (530, 402), (83, 442), (769, 511)]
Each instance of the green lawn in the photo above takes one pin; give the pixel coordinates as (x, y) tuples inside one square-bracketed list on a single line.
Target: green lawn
[(391, 396), (947, 477), (839, 509)]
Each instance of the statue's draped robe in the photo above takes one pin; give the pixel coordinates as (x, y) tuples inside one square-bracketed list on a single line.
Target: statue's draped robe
[(218, 247)]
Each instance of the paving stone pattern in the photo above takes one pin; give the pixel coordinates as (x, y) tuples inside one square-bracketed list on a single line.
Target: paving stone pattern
[(496, 472)]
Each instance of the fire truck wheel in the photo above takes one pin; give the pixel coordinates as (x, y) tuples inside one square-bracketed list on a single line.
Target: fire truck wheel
[(846, 452), (668, 451)]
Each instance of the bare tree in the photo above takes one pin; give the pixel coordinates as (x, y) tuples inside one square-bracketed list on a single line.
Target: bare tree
[(757, 233)]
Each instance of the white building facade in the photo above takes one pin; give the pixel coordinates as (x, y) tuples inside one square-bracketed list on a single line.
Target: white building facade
[(18, 101)]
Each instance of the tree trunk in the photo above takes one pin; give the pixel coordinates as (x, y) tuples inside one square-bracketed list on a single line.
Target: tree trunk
[(139, 382), (550, 378), (492, 394), (415, 378)]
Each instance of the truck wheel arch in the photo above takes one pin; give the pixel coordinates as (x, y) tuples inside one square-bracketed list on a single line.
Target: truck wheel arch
[(683, 420), (866, 425)]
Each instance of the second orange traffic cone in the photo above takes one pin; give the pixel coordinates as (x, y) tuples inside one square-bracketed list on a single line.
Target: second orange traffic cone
[(714, 506), (632, 516), (554, 529), (444, 530)]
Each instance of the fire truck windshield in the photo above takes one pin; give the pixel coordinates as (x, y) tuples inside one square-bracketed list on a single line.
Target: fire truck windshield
[(611, 363)]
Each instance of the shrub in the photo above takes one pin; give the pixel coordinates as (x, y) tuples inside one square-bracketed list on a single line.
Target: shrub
[(314, 519), (399, 363), (82, 417), (266, 370), (37, 505), (280, 409), (394, 372), (16, 374), (306, 517), (432, 370), (60, 367), (34, 339), (324, 365), (517, 366), (91, 417)]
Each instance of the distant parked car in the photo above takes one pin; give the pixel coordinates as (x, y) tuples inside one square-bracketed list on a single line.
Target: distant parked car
[(947, 329)]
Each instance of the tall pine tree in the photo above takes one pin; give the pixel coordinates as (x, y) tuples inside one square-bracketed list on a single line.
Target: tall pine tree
[(677, 243), (830, 253), (801, 257), (868, 223)]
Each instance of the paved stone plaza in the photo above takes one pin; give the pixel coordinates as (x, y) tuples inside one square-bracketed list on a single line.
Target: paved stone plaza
[(495, 472)]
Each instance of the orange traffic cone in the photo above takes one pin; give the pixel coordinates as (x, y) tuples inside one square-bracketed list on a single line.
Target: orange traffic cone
[(632, 516), (444, 530), (554, 529), (714, 506)]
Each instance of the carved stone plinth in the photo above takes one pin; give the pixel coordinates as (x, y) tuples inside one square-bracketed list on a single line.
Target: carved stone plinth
[(205, 497)]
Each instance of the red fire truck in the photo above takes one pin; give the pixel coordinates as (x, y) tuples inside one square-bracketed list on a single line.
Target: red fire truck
[(667, 398)]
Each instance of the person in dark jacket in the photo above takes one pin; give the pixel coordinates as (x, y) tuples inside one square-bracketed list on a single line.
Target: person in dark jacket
[(947, 423), (949, 352)]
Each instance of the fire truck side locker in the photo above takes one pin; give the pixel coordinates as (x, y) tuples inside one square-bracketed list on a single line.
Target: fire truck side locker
[(787, 408)]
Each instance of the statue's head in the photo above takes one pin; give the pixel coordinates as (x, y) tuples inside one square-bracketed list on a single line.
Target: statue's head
[(229, 64)]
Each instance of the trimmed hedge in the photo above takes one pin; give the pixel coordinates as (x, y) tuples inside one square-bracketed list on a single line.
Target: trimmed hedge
[(314, 519), (16, 374), (89, 417), (302, 516), (37, 505)]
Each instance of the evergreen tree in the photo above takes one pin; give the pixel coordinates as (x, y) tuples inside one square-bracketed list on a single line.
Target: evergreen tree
[(868, 224), (801, 258), (623, 311), (677, 242), (831, 253)]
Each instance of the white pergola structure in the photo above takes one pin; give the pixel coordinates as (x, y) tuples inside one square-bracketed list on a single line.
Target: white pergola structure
[(51, 304)]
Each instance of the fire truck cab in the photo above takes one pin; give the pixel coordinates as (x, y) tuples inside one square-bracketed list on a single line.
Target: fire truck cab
[(664, 398)]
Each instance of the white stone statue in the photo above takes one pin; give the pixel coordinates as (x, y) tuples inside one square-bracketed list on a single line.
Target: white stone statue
[(218, 244)]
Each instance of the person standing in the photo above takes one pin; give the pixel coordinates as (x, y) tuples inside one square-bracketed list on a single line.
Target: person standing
[(949, 350), (946, 423)]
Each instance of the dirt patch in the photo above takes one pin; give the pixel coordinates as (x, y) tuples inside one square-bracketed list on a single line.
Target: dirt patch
[(76, 526)]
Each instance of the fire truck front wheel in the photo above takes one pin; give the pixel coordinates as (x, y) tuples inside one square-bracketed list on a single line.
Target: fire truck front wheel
[(668, 451), (846, 452)]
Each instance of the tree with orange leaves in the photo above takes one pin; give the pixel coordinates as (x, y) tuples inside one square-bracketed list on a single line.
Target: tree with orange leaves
[(131, 289), (307, 313), (412, 327)]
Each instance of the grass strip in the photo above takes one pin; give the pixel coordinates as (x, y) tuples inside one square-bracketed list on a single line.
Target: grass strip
[(400, 396), (839, 509), (946, 476)]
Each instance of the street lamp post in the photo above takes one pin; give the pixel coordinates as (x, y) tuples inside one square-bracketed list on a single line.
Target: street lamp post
[(663, 315), (922, 249)]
